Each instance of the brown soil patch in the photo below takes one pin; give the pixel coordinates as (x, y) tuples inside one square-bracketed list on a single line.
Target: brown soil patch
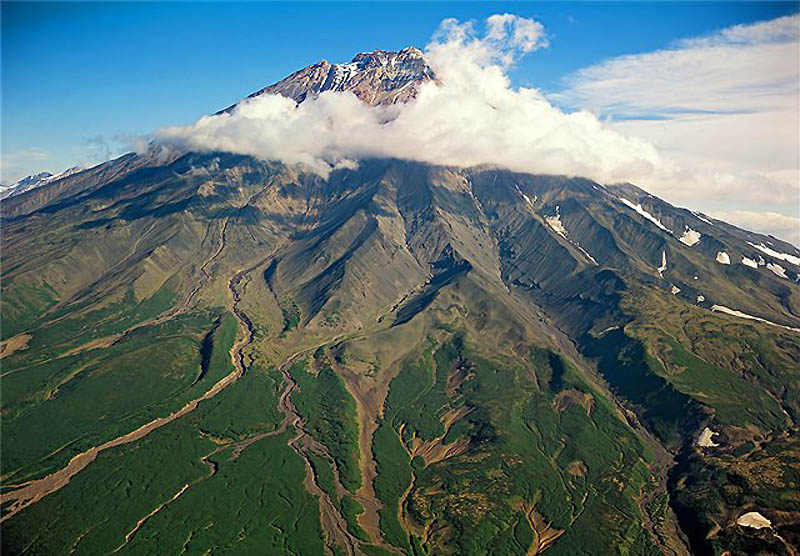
[(15, 343), (456, 379), (435, 450), (577, 468), (739, 435), (568, 398), (544, 535), (369, 393), (333, 523), (371, 365)]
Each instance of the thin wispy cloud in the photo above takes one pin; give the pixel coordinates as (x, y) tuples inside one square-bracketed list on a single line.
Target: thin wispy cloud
[(13, 164), (724, 107), (773, 223), (779, 30)]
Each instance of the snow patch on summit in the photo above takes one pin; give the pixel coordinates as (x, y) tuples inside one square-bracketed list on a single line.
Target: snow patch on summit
[(777, 269), (706, 439), (749, 262), (735, 313), (638, 208), (555, 223), (527, 199), (792, 259), (690, 237), (703, 218), (35, 181), (558, 227), (663, 266), (754, 520)]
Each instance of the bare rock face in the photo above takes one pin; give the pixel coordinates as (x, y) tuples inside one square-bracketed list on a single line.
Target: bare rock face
[(377, 77)]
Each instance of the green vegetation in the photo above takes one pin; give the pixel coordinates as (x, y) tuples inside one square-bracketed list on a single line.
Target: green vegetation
[(764, 477), (348, 506), (417, 396), (57, 337), (217, 345), (372, 550), (330, 315), (330, 414), (414, 404), (23, 304), (253, 502), (745, 376), (351, 509), (623, 361), (394, 477), (490, 440), (723, 390), (253, 511), (250, 504), (51, 408), (245, 408), (560, 448), (291, 315)]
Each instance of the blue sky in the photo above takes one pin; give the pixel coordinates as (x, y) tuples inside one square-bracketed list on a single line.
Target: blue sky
[(76, 75)]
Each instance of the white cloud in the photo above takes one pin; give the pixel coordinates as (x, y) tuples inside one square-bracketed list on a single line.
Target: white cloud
[(471, 115), (782, 29), (725, 108), (778, 225)]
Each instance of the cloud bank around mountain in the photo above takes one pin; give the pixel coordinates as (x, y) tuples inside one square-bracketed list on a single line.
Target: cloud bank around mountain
[(471, 115), (711, 118)]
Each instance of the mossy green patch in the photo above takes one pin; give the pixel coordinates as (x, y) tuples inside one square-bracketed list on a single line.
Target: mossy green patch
[(22, 305), (56, 409), (330, 414)]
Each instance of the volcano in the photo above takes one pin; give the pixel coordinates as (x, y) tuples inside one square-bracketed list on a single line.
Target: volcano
[(207, 352)]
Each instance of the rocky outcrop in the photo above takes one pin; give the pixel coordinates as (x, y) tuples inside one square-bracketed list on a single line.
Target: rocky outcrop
[(379, 77)]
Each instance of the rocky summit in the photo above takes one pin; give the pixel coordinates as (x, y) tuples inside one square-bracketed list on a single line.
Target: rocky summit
[(377, 77), (210, 353)]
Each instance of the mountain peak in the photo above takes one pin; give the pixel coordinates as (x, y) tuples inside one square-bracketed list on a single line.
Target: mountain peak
[(387, 57), (34, 181), (378, 77)]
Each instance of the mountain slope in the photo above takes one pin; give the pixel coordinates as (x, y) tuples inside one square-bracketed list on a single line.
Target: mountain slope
[(399, 358)]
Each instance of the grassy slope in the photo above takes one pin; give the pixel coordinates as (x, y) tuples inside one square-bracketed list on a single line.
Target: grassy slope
[(522, 448), (747, 376), (330, 414), (51, 407), (253, 503), (539, 435), (22, 304)]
